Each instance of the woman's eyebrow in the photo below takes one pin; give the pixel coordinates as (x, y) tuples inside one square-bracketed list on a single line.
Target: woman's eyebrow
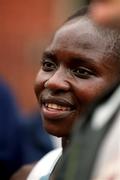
[(48, 54), (83, 60)]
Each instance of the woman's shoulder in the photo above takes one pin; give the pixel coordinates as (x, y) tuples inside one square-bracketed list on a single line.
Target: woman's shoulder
[(45, 165)]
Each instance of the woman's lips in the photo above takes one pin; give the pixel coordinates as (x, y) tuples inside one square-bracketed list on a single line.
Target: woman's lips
[(55, 111), (56, 107), (52, 106)]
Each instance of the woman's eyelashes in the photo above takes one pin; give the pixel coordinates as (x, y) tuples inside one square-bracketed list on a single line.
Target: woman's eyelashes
[(48, 65), (82, 72)]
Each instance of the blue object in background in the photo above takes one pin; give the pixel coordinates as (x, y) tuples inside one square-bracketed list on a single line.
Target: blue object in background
[(35, 140), (22, 139)]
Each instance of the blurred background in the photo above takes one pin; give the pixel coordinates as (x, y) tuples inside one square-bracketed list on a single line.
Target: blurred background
[(26, 28)]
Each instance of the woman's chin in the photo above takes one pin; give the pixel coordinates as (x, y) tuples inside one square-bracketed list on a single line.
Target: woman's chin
[(56, 132)]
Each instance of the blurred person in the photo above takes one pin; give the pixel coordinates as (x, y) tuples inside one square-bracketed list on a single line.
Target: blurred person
[(22, 139), (80, 63)]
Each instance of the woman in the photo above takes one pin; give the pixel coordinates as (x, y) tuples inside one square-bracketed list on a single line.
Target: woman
[(81, 62)]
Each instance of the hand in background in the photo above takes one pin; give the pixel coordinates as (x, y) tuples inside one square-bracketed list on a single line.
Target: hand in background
[(106, 12)]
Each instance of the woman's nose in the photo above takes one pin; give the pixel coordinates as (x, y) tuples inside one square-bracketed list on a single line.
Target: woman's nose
[(58, 81)]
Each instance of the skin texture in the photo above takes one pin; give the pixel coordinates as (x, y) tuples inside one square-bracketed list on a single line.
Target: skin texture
[(74, 70)]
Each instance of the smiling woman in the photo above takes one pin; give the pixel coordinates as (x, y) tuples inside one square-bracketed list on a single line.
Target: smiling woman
[(75, 69)]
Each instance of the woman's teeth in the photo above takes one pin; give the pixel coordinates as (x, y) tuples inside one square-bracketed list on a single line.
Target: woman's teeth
[(57, 107)]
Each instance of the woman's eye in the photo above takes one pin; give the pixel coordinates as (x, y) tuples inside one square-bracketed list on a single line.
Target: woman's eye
[(48, 65), (82, 72)]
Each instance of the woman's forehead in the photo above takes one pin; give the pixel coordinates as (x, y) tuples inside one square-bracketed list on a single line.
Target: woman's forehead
[(80, 34), (79, 25)]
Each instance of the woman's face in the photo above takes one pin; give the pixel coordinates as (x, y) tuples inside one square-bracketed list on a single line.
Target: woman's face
[(74, 71)]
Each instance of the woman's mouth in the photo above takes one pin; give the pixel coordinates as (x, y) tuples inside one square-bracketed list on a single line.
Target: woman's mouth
[(51, 106), (56, 109)]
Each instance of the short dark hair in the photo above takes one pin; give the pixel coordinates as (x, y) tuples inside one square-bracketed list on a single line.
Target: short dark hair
[(81, 12)]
